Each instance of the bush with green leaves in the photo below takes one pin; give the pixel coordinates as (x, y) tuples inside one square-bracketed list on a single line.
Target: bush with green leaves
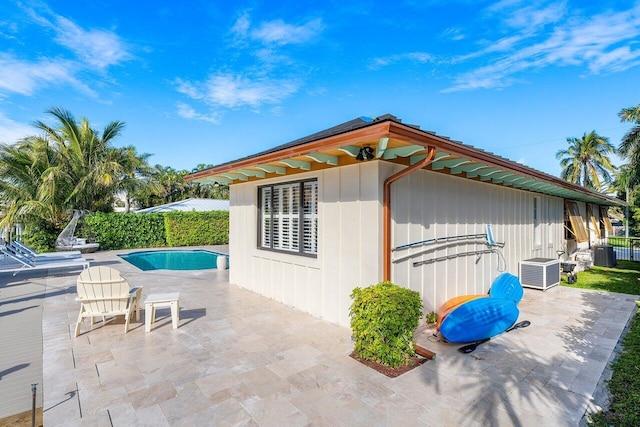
[(40, 236), (127, 230), (197, 228), (148, 230), (431, 318), (383, 320)]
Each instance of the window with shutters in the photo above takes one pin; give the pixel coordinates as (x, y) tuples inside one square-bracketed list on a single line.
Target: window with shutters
[(573, 224), (594, 222), (288, 217), (605, 222)]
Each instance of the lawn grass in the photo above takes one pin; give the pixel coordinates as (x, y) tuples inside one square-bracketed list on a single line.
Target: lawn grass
[(624, 385), (622, 278), (622, 241)]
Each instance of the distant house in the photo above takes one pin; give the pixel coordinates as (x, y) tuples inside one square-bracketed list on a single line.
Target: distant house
[(377, 199), (188, 205)]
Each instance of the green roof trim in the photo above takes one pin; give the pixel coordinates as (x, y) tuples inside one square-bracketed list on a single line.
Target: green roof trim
[(272, 169), (297, 164), (323, 158)]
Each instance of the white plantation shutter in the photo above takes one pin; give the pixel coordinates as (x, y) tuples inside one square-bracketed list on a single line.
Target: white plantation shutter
[(286, 215), (310, 218), (265, 209), (282, 211)]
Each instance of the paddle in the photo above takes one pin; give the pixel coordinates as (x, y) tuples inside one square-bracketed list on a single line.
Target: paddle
[(471, 347)]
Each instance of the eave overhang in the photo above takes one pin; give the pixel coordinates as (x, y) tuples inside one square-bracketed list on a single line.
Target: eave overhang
[(399, 143)]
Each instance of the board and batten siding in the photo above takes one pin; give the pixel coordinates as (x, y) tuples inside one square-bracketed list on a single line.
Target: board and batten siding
[(425, 205), (428, 205), (349, 242)]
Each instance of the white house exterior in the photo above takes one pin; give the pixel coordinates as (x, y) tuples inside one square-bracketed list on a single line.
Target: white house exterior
[(308, 218)]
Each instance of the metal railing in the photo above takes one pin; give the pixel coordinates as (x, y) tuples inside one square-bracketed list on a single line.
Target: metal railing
[(626, 248)]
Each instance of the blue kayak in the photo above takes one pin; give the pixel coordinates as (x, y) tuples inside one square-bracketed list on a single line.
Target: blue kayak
[(507, 286), (479, 319)]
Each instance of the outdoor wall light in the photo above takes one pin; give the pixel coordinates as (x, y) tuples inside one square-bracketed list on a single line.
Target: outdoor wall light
[(365, 154)]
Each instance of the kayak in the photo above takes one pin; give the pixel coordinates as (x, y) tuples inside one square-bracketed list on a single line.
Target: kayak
[(451, 304), (479, 319)]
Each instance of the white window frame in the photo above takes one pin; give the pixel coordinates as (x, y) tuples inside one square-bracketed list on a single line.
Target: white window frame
[(288, 217), (550, 222), (537, 221)]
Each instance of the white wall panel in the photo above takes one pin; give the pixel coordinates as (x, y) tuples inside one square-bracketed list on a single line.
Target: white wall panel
[(425, 205), (316, 287), (349, 252), (330, 243), (350, 235), (463, 207)]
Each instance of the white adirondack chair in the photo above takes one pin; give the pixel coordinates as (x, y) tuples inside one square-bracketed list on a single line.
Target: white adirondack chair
[(103, 292)]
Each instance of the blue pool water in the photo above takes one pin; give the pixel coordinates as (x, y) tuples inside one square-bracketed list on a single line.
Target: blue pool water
[(172, 259)]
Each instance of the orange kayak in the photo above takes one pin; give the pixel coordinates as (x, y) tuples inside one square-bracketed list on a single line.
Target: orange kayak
[(450, 305)]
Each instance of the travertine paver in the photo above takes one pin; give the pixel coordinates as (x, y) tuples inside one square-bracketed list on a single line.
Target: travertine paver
[(240, 359), (21, 297)]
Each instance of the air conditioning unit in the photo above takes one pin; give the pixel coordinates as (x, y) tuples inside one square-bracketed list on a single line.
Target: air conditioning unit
[(604, 256), (540, 273)]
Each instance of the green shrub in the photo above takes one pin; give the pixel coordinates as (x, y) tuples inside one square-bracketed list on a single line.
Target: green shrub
[(131, 230), (127, 230), (383, 319), (197, 228), (431, 317), (41, 237)]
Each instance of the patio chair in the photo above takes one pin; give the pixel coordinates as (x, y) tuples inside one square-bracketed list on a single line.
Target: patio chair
[(16, 262), (28, 252), (103, 292)]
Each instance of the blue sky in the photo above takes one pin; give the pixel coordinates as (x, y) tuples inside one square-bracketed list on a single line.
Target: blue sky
[(212, 81)]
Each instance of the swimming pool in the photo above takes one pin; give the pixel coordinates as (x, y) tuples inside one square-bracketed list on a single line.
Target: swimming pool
[(198, 259)]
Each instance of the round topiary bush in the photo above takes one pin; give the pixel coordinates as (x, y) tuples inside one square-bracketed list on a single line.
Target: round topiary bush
[(383, 319)]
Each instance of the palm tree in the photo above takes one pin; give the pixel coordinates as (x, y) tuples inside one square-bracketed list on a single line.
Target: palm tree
[(630, 144), (586, 161), (69, 166), (27, 189), (87, 166), (623, 184), (135, 174)]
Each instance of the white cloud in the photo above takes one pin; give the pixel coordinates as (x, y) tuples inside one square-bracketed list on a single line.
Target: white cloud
[(187, 112), (602, 44), (92, 50), (94, 47), (12, 131), (26, 77), (241, 26), (98, 48), (454, 33), (619, 59), (530, 17), (233, 91), (280, 33), (265, 42), (188, 89), (276, 32), (415, 57)]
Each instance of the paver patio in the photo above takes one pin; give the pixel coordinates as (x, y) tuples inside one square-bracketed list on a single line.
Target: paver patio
[(238, 358)]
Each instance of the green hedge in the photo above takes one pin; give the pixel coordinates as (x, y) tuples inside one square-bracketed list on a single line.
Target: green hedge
[(383, 319), (149, 230), (40, 236), (127, 230), (197, 228)]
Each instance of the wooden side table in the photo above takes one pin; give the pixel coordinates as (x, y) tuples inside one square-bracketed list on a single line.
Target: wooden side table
[(153, 301)]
